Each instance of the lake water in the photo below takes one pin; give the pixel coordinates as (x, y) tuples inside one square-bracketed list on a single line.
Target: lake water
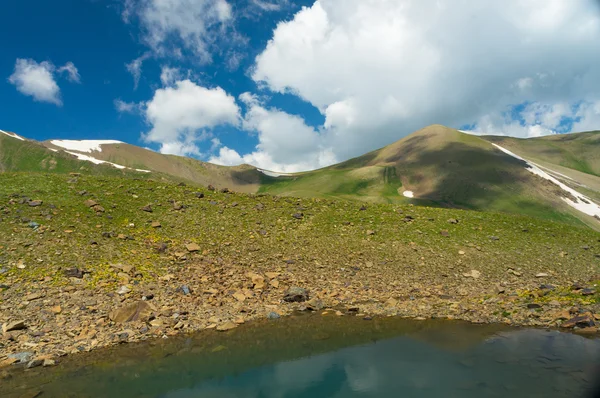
[(316, 356)]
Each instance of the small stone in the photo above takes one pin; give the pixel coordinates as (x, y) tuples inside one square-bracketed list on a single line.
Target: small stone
[(148, 297), (445, 233), (34, 363), (239, 296), (298, 216), (315, 304), (532, 306), (273, 315), (33, 296), (98, 209), (177, 206), (461, 252), (296, 295), (494, 238), (185, 290), (192, 247), (370, 232), (541, 275), (90, 203), (227, 326), (199, 195), (21, 357), (581, 321), (588, 292), (147, 209), (48, 362), (155, 224), (15, 325), (56, 309), (73, 273), (453, 221), (123, 290), (472, 274), (35, 203)]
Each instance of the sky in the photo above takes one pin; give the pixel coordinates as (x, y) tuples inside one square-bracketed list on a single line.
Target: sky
[(289, 85)]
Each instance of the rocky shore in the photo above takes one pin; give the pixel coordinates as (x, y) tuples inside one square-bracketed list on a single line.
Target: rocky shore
[(42, 323)]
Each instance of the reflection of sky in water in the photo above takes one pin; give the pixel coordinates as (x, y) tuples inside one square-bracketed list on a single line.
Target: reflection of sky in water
[(528, 363)]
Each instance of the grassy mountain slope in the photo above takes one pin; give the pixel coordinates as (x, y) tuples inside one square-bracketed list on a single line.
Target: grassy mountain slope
[(442, 167), (578, 151), (240, 178), (31, 156)]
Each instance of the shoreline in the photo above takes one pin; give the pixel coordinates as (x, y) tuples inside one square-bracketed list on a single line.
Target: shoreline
[(66, 320)]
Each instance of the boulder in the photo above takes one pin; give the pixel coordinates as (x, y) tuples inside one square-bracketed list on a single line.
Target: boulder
[(14, 325), (296, 295), (139, 311)]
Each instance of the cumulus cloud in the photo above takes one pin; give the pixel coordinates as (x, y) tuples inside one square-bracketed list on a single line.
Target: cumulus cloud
[(285, 142), (378, 70), (192, 24), (182, 115), (38, 79)]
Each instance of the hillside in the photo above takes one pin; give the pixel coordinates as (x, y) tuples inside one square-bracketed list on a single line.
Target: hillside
[(240, 178), (78, 253), (437, 166), (577, 151)]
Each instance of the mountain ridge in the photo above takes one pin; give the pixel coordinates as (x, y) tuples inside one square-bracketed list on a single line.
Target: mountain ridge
[(435, 166)]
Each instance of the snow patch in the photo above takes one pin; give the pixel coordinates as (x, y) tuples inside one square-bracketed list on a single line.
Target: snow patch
[(83, 145), (98, 161), (13, 135), (581, 202), (408, 194), (273, 174)]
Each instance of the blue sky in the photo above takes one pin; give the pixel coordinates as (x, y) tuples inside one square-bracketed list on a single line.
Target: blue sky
[(294, 85)]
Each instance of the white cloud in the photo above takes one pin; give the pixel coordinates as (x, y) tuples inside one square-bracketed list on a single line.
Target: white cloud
[(135, 68), (194, 24), (169, 75), (378, 70), (588, 117), (38, 81), (181, 115), (72, 72), (126, 107), (285, 142)]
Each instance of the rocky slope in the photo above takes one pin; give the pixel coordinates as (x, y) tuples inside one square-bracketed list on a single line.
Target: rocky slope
[(87, 262)]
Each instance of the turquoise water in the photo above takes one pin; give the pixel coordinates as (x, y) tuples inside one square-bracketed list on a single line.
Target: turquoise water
[(313, 357)]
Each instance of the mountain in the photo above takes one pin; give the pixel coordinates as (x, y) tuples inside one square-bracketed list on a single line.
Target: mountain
[(551, 177), (439, 166), (116, 158)]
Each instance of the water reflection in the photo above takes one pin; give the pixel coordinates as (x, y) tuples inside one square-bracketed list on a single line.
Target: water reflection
[(316, 357), (527, 363)]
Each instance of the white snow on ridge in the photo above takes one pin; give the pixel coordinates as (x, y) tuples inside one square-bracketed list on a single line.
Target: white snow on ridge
[(83, 145), (408, 194), (13, 135), (98, 161), (581, 203), (273, 174)]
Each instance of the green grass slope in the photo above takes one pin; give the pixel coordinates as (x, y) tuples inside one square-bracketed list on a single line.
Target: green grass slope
[(30, 156), (577, 151), (250, 230), (442, 167)]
